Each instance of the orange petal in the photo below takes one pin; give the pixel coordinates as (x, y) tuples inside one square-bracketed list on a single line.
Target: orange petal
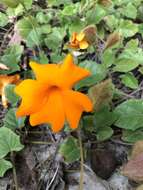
[(74, 104), (32, 94), (83, 45), (52, 112), (72, 73), (73, 38), (47, 73), (74, 45), (80, 36)]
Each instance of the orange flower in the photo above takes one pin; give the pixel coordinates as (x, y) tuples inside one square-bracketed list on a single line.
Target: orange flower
[(4, 81), (50, 98), (78, 41)]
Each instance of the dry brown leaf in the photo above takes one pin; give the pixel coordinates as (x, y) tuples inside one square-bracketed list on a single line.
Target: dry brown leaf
[(134, 168), (112, 40), (137, 149), (140, 187), (90, 34), (101, 93), (3, 67), (105, 3), (4, 81)]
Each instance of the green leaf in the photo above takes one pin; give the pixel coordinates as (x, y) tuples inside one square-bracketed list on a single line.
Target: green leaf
[(88, 123), (43, 18), (104, 133), (10, 95), (45, 29), (27, 3), (26, 25), (11, 58), (94, 16), (55, 57), (3, 19), (130, 11), (130, 114), (11, 121), (132, 136), (70, 10), (54, 39), (57, 2), (33, 38), (132, 44), (108, 58), (130, 81), (98, 72), (125, 65), (43, 58), (104, 118), (127, 28), (69, 149), (9, 142), (141, 70), (13, 12), (11, 62), (130, 58), (4, 166), (11, 3), (112, 22)]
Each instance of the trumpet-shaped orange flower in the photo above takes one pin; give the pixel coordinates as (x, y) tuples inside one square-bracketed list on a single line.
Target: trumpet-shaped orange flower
[(50, 98), (78, 41)]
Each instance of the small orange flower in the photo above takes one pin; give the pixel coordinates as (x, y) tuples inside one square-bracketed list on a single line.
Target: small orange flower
[(50, 98), (4, 81), (78, 41)]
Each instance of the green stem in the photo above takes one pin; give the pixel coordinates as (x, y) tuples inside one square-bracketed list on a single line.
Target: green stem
[(14, 172), (40, 142), (81, 162)]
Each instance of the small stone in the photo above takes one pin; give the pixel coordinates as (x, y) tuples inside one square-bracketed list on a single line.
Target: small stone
[(119, 182), (91, 181), (103, 163)]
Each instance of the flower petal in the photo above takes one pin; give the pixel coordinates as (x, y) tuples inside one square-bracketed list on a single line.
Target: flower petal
[(31, 92), (80, 36), (74, 104), (71, 73), (47, 73), (83, 45), (52, 112), (73, 38)]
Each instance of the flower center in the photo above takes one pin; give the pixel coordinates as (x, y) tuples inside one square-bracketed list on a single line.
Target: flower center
[(54, 88)]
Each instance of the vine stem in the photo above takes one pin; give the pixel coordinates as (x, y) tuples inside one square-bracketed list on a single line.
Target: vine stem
[(81, 162), (14, 172)]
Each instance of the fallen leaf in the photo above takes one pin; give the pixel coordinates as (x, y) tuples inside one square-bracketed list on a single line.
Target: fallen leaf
[(4, 81), (3, 67), (134, 168), (105, 3), (137, 149), (140, 187), (112, 40), (90, 34), (101, 94)]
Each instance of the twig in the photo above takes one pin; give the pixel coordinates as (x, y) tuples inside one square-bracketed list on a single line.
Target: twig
[(81, 162), (57, 144), (55, 174)]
